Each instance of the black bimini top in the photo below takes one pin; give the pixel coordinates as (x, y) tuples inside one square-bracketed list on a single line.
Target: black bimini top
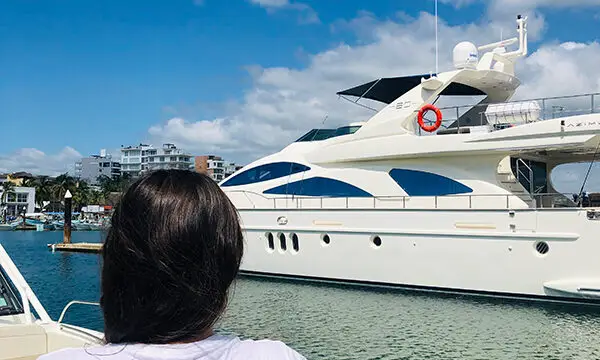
[(386, 90)]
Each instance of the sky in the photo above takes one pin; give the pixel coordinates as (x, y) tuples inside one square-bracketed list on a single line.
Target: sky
[(244, 78)]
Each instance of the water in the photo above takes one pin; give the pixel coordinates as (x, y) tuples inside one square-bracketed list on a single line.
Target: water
[(325, 322)]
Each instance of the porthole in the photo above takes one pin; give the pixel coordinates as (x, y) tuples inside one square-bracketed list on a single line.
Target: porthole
[(542, 247), (295, 243), (376, 240), (282, 242), (270, 241), (325, 239)]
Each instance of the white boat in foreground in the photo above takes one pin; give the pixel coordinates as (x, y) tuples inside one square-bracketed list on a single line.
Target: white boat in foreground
[(463, 203), (23, 336)]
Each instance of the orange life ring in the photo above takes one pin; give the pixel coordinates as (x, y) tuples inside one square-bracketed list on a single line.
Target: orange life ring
[(438, 115)]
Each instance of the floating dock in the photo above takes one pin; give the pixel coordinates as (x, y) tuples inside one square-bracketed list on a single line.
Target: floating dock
[(77, 247)]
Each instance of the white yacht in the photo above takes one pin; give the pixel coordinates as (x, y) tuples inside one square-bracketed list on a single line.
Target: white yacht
[(26, 329), (463, 203)]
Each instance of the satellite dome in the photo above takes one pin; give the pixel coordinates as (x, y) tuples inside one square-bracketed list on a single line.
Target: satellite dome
[(465, 55)]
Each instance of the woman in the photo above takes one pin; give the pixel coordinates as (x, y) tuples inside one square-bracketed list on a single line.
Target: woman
[(173, 249)]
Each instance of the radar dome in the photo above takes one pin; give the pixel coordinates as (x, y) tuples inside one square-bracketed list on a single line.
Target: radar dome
[(465, 55)]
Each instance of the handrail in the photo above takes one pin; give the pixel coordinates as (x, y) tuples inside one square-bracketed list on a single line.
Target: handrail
[(546, 110), (528, 178), (523, 100), (74, 302), (298, 201)]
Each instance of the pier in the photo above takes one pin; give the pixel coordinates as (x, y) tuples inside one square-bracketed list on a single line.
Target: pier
[(67, 245), (77, 247)]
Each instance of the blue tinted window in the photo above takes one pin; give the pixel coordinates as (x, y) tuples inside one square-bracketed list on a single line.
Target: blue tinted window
[(265, 172), (421, 183), (319, 186), (323, 134)]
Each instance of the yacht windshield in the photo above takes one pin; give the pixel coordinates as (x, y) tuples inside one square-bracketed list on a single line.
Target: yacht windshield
[(9, 301), (323, 134)]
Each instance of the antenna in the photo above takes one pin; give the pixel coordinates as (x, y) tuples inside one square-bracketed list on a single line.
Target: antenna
[(436, 38)]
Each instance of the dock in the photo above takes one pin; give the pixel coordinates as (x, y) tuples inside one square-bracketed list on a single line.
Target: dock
[(77, 247)]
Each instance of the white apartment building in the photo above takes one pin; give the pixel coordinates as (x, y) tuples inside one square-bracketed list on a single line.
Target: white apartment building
[(138, 159), (21, 200)]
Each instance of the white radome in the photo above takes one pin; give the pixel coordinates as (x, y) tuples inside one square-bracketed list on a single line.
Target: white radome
[(465, 55)]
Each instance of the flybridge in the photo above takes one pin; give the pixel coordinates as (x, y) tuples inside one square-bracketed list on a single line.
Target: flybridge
[(409, 98), (465, 56)]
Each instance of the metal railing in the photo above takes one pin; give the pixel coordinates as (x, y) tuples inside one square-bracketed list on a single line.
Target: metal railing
[(448, 202), (74, 302), (527, 177), (550, 108)]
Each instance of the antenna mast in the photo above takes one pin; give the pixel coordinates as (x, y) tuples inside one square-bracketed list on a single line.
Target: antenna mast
[(436, 38)]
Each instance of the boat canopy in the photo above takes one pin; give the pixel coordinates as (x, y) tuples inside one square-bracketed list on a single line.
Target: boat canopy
[(386, 90)]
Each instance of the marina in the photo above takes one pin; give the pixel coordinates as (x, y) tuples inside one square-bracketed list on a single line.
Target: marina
[(361, 323), (430, 227)]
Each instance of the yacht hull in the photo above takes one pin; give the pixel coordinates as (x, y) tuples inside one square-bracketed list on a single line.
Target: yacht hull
[(538, 254)]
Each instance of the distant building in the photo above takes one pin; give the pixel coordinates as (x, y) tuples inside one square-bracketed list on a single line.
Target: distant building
[(21, 200), (16, 178), (215, 166), (138, 159), (92, 167)]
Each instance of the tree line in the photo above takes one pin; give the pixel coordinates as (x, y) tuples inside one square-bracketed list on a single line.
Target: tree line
[(50, 192)]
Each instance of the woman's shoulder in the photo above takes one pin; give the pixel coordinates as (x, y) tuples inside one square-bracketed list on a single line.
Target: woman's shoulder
[(215, 347), (266, 349)]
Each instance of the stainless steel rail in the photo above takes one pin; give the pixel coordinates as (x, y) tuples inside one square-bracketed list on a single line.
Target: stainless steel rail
[(550, 108), (463, 201)]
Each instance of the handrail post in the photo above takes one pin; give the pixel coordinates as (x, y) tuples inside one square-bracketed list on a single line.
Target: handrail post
[(374, 202), (470, 201), (507, 201), (404, 202), (436, 203), (457, 119), (544, 108), (592, 111), (346, 202)]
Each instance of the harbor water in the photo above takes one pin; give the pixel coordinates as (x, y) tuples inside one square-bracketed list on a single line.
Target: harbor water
[(334, 322)]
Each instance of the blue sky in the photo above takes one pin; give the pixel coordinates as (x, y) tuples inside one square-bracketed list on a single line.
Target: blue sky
[(80, 75)]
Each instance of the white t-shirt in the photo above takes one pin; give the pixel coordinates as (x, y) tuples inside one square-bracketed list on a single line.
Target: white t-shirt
[(216, 347)]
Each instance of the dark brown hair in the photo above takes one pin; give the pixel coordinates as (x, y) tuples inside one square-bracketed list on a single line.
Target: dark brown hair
[(173, 249)]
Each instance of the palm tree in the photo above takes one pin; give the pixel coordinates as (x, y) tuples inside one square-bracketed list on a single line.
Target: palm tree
[(96, 197), (29, 182), (43, 191), (7, 189), (62, 183), (82, 194)]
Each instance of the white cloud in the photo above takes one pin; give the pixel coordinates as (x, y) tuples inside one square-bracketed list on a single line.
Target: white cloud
[(561, 69), (306, 14), (510, 5), (271, 3), (283, 103), (37, 162), (545, 3)]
